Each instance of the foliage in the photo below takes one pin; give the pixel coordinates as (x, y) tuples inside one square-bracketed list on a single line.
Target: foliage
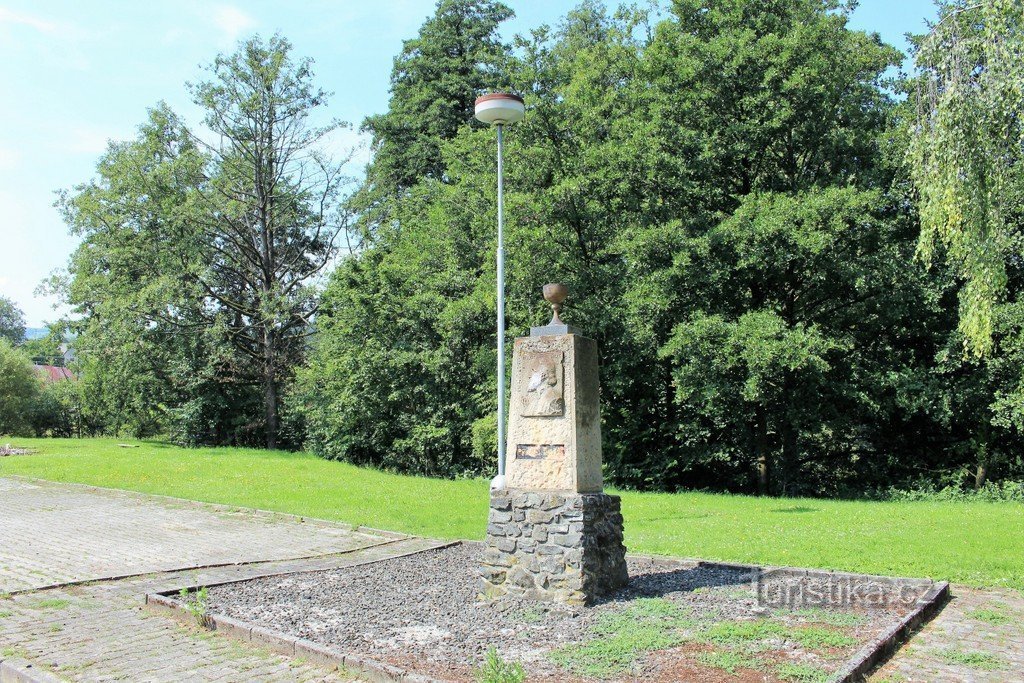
[(434, 82), (984, 661), (728, 661), (965, 152), (973, 543), (497, 670), (801, 673), (196, 603), (19, 389), (400, 370), (624, 636), (12, 322), (722, 185), (46, 350), (56, 410), (267, 211), (713, 189), (193, 281), (1005, 491)]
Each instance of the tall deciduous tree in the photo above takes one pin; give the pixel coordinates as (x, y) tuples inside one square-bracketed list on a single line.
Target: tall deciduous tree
[(268, 210), (966, 149)]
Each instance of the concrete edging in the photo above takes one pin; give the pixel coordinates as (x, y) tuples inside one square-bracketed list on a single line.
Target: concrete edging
[(278, 642), (15, 670), (853, 670), (884, 646)]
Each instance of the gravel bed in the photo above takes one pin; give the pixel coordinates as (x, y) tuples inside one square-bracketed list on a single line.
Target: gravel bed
[(421, 612)]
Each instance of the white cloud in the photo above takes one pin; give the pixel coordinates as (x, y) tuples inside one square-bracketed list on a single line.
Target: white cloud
[(9, 159), (232, 22), (8, 16)]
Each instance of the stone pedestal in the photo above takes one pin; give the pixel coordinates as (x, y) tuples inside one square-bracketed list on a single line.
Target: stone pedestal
[(552, 534), (553, 546)]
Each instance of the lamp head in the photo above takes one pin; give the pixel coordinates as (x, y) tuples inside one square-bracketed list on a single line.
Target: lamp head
[(500, 108)]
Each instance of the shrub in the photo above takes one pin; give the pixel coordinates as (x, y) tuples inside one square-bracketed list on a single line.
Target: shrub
[(19, 389)]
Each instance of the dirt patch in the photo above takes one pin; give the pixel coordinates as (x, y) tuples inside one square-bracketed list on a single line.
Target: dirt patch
[(8, 449)]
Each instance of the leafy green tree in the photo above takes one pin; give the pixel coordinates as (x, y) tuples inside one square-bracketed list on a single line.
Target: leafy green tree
[(132, 280), (712, 189), (435, 80), (965, 152), (19, 388), (194, 280), (266, 212), (12, 321)]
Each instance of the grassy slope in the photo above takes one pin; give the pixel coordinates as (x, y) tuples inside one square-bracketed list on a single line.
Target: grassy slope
[(973, 543)]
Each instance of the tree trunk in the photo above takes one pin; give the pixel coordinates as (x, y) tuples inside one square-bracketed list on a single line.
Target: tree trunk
[(761, 446), (980, 475), (270, 389)]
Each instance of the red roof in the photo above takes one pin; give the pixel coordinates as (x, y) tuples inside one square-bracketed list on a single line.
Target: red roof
[(53, 373)]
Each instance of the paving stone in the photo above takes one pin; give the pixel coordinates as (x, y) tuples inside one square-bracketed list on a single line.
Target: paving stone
[(101, 631), (90, 534), (929, 657)]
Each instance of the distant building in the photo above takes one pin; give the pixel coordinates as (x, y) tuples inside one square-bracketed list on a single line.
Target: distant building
[(52, 373)]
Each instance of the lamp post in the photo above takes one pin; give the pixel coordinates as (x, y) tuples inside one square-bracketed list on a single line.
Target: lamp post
[(498, 109)]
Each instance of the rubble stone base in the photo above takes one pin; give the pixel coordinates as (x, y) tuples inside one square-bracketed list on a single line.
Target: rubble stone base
[(560, 547)]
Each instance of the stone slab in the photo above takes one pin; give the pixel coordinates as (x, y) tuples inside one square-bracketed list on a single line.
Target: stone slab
[(56, 534), (554, 430)]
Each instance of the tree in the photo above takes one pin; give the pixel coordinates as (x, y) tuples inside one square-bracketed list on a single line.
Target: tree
[(266, 209), (713, 190), (19, 388), (12, 321), (435, 80), (132, 282), (965, 153)]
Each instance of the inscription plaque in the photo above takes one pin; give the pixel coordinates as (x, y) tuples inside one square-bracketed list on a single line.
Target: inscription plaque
[(539, 451)]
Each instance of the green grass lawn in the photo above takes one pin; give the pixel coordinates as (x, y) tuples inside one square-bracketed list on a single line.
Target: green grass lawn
[(979, 544)]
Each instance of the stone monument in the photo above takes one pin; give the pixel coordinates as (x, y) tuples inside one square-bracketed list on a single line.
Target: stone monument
[(552, 534)]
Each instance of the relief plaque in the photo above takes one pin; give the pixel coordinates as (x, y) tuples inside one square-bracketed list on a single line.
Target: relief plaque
[(544, 396)]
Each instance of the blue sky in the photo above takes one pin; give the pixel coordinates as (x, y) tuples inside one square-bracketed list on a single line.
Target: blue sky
[(75, 74)]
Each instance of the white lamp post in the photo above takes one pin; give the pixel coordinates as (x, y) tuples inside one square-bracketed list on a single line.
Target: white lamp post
[(498, 109)]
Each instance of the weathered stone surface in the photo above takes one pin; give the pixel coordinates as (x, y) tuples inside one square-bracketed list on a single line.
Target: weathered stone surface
[(554, 435), (575, 555)]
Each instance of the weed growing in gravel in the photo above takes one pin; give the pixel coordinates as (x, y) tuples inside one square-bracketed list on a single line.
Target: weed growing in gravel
[(728, 661), (497, 670), (801, 673), (831, 617), (625, 636), (531, 615), (985, 661), (197, 605), (990, 616), (50, 603), (815, 637), (742, 632), (4, 613), (746, 633)]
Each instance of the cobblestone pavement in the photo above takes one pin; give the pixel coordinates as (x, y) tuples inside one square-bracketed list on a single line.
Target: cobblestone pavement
[(59, 534), (55, 534), (978, 636), (100, 631)]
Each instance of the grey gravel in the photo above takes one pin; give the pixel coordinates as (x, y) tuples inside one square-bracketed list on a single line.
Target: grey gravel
[(421, 611)]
